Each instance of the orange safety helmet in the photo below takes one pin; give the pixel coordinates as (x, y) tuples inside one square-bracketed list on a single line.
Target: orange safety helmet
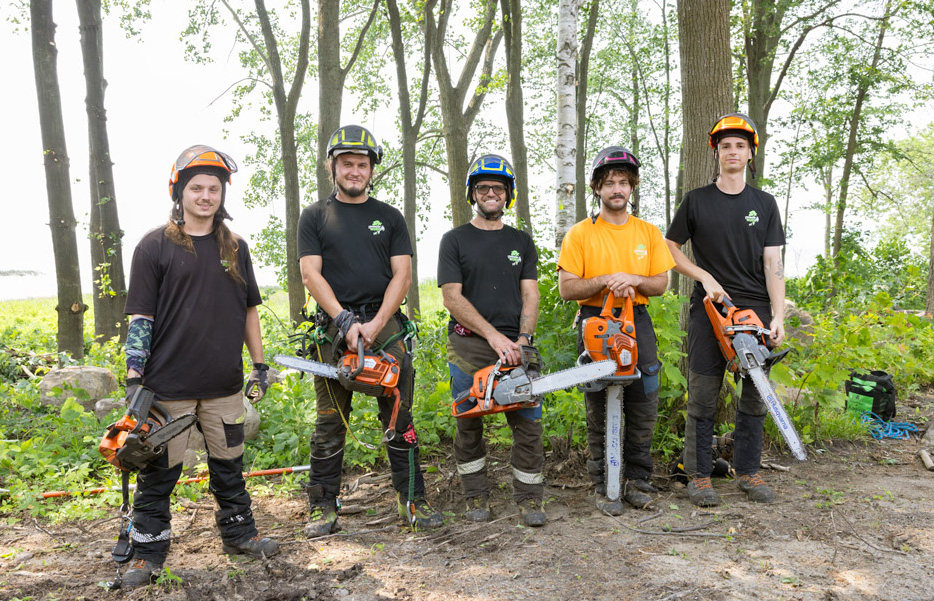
[(206, 160), (736, 124)]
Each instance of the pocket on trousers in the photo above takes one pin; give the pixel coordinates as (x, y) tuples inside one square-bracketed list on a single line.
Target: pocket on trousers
[(650, 378), (234, 429)]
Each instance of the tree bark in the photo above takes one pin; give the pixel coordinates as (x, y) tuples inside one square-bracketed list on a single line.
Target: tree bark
[(515, 119), (286, 103), (457, 119), (410, 130), (62, 221), (582, 190), (105, 233), (566, 147), (707, 93), (862, 91), (929, 300)]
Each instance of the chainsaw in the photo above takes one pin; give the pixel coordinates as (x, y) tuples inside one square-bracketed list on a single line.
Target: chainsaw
[(497, 388), (614, 338), (142, 433), (374, 374), (139, 437), (743, 340), (607, 337)]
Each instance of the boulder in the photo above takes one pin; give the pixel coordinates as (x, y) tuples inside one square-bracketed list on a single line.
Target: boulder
[(799, 324), (103, 407), (196, 452), (97, 382)]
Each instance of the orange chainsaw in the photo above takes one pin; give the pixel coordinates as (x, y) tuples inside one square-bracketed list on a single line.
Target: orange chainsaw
[(373, 374), (142, 433), (744, 342), (607, 337), (497, 388)]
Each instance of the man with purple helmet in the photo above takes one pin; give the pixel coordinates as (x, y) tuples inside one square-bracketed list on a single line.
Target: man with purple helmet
[(613, 250)]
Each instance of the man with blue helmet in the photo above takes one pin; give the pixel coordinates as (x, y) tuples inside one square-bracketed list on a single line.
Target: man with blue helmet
[(488, 274)]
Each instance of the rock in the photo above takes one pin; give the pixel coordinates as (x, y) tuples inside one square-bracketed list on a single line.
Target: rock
[(275, 376), (196, 452), (103, 407), (97, 382), (798, 323)]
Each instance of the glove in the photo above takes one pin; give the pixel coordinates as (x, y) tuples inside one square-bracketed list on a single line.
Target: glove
[(132, 385), (344, 320), (257, 384)]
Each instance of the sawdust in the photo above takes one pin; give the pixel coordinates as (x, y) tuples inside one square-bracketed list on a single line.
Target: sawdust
[(856, 521)]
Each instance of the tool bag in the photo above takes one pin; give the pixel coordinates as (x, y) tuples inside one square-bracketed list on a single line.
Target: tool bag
[(872, 391)]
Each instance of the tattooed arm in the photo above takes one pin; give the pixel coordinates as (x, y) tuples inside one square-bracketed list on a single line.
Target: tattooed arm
[(775, 282)]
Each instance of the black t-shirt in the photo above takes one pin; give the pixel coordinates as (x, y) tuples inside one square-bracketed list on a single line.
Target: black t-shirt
[(199, 315), (489, 264), (728, 233), (355, 242)]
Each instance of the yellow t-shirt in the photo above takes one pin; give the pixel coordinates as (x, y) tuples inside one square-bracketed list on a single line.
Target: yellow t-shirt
[(590, 249)]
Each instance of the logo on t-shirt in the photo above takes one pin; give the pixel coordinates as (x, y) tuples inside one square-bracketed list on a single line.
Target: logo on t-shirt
[(514, 257), (752, 218), (640, 251), (376, 227)]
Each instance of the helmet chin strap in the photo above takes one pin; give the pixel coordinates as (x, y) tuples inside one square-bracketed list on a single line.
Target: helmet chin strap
[(178, 214)]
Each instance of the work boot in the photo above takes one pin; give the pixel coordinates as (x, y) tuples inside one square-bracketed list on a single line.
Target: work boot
[(701, 492), (419, 514), (322, 518), (532, 512), (478, 509), (635, 492), (141, 573), (256, 547), (755, 488), (607, 506)]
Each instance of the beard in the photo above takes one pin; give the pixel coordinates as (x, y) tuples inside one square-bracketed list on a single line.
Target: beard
[(352, 190), (616, 203), (491, 215)]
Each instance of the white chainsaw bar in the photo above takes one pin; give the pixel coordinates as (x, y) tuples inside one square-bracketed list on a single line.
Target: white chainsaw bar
[(777, 411), (613, 441)]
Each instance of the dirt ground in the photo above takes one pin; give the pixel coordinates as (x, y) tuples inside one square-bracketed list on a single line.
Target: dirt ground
[(854, 522)]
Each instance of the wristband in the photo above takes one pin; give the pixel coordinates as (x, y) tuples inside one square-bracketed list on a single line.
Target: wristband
[(528, 337), (260, 367)]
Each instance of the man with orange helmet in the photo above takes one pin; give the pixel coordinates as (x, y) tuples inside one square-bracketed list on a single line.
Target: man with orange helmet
[(613, 250), (736, 234), (192, 304), (356, 261), (488, 276)]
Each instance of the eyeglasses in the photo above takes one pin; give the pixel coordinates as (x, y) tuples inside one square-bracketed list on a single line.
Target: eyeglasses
[(484, 189)]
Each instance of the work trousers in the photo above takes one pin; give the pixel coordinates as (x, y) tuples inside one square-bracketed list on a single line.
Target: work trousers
[(221, 422)]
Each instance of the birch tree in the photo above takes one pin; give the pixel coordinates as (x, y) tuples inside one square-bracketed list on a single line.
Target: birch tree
[(566, 142)]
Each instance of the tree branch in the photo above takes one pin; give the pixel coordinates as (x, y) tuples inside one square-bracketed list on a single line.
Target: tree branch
[(359, 46), (480, 91), (249, 36)]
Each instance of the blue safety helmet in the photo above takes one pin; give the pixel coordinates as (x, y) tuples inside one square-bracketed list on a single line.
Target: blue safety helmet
[(492, 166)]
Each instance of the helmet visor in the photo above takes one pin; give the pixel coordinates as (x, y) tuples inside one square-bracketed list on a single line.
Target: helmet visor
[(204, 156)]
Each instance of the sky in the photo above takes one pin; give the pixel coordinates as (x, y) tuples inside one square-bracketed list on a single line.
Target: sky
[(157, 105)]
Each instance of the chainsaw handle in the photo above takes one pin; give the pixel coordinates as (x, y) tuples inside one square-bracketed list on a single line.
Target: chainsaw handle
[(609, 299), (360, 362)]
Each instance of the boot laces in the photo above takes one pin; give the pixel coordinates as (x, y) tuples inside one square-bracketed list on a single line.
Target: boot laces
[(752, 480), (702, 483)]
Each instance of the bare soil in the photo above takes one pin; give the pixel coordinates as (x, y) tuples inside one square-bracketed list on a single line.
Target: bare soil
[(854, 522)]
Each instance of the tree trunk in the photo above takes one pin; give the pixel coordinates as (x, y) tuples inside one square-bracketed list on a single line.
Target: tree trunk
[(286, 104), (512, 29), (861, 92), (457, 119), (565, 147), (636, 103), (105, 233), (330, 87), (706, 94), (826, 174), (582, 190), (929, 301), (70, 306), (410, 130)]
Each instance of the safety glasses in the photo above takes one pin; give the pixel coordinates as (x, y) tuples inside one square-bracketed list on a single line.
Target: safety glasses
[(203, 156)]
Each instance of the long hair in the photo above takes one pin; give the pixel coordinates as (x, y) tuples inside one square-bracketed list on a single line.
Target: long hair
[(226, 242)]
